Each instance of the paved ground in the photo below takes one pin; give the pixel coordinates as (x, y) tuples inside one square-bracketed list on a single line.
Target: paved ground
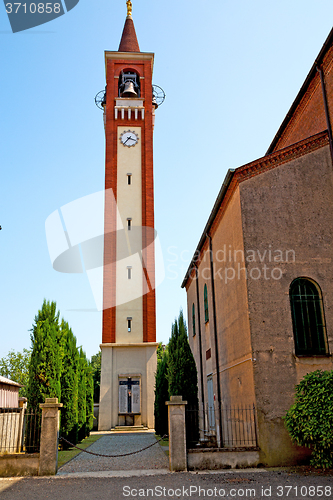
[(115, 444), (236, 484), (146, 475)]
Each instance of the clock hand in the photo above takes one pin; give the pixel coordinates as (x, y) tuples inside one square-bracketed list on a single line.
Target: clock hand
[(129, 137)]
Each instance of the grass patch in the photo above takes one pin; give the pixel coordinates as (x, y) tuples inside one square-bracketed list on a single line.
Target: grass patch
[(67, 455), (164, 442)]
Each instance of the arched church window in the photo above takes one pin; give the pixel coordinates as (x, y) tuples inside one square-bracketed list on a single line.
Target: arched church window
[(308, 317), (193, 319), (206, 304), (129, 84)]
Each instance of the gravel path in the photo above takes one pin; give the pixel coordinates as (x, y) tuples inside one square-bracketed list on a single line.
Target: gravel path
[(113, 444)]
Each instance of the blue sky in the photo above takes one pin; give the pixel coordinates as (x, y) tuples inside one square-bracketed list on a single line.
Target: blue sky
[(230, 71)]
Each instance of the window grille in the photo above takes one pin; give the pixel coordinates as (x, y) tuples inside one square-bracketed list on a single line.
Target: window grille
[(193, 319), (206, 304), (308, 319), (129, 324)]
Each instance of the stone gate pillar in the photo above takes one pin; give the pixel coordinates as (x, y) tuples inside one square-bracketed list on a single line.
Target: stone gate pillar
[(48, 458), (177, 434)]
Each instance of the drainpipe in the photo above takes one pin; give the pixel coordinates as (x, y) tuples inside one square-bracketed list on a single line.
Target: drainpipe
[(200, 344), (215, 338), (328, 121)]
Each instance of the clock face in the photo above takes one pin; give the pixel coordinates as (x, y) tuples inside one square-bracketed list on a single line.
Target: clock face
[(129, 138)]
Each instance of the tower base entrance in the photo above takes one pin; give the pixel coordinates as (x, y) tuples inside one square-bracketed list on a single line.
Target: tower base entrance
[(127, 385)]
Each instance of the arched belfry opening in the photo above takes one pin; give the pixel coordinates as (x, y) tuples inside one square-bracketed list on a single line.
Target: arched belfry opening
[(129, 84)]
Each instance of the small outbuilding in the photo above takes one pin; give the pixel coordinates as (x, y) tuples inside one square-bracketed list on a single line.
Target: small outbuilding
[(9, 393)]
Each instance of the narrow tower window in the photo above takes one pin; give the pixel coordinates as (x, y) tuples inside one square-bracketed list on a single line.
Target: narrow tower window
[(129, 224), (129, 179), (129, 324), (129, 273)]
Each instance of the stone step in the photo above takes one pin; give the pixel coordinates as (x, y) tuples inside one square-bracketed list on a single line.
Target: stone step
[(129, 428)]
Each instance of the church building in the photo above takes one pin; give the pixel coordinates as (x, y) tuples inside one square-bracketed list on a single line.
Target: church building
[(129, 327), (260, 284)]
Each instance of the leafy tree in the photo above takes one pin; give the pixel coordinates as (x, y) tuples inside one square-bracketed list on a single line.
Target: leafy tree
[(45, 365), (96, 360), (15, 366), (69, 386), (310, 419), (161, 395)]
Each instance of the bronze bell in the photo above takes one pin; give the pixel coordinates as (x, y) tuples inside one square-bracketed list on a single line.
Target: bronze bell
[(129, 90)]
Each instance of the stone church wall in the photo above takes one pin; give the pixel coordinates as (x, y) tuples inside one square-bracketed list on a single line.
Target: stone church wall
[(235, 360), (287, 216)]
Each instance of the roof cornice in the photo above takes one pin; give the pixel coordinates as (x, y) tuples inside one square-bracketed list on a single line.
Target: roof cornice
[(247, 171), (132, 56), (318, 61)]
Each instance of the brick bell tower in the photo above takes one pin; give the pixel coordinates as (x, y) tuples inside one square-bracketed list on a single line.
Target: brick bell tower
[(129, 325)]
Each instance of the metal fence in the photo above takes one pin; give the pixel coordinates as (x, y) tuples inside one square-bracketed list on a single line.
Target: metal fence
[(19, 430), (237, 423)]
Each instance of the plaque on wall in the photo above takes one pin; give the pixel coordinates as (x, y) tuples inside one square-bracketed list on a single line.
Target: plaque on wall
[(123, 398), (136, 398)]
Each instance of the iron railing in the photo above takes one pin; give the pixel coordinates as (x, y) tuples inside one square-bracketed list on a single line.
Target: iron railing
[(238, 425), (19, 430)]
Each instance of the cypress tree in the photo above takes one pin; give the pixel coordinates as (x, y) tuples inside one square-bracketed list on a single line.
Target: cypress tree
[(82, 395), (182, 371), (45, 365), (69, 386), (89, 399), (96, 360), (59, 369), (161, 395), (182, 375), (175, 385)]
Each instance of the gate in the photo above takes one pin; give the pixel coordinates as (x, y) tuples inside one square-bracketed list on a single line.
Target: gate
[(19, 430)]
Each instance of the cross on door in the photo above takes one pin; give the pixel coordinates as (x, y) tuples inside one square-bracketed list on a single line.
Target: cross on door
[(129, 383)]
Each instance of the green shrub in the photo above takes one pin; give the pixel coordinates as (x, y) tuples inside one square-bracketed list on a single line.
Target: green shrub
[(310, 420)]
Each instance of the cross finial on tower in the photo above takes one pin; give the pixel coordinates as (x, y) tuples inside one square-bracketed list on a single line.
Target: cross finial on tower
[(129, 8)]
